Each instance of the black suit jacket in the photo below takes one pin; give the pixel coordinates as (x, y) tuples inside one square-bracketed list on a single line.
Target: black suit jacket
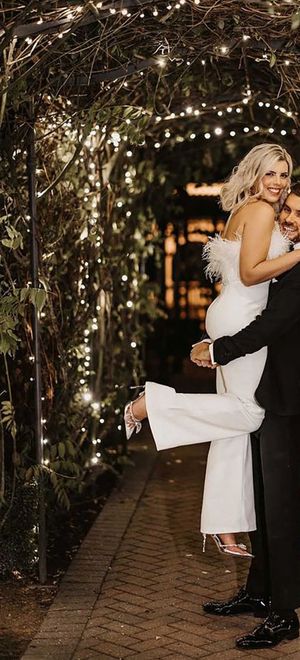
[(278, 327)]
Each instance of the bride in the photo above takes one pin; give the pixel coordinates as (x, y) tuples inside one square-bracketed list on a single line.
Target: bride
[(249, 254)]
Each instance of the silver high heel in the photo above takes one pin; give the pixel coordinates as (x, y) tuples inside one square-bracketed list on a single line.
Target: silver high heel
[(223, 547), (131, 422)]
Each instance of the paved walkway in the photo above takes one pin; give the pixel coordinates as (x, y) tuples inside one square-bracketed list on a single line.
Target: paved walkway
[(135, 587)]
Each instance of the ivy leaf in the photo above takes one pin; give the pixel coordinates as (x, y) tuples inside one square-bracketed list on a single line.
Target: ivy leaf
[(295, 20), (15, 239), (61, 450), (272, 60), (38, 298), (24, 294)]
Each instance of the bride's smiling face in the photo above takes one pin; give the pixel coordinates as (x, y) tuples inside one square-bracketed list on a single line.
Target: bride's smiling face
[(275, 181)]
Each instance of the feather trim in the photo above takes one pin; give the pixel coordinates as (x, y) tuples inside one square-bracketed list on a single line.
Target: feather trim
[(220, 255)]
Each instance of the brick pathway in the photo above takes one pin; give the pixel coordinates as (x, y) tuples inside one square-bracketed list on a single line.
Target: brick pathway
[(135, 588)]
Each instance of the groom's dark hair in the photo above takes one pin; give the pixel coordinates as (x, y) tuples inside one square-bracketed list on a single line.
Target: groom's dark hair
[(295, 188)]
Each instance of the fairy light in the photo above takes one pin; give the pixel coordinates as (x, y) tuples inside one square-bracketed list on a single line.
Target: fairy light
[(207, 136)]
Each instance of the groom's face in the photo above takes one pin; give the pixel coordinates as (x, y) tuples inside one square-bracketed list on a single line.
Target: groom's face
[(289, 217)]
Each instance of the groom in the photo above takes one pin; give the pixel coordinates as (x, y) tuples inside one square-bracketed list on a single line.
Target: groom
[(273, 584)]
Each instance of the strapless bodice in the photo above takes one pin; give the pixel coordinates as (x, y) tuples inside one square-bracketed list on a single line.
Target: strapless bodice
[(223, 255)]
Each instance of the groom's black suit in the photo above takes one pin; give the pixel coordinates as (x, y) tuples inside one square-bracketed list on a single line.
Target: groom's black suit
[(275, 570)]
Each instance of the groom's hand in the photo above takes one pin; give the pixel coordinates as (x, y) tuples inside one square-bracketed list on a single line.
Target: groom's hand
[(200, 355)]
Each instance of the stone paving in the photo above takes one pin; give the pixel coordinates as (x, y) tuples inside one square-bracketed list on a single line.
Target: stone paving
[(135, 587)]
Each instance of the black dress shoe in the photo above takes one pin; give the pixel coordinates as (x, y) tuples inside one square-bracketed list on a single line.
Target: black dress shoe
[(239, 604), (269, 633)]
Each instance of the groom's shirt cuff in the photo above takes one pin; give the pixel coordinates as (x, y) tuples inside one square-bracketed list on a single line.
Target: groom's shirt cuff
[(211, 352)]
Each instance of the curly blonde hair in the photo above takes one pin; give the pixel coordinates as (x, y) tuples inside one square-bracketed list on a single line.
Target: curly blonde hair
[(238, 190)]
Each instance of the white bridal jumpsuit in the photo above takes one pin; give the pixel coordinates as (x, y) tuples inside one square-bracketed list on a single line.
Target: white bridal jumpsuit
[(231, 414)]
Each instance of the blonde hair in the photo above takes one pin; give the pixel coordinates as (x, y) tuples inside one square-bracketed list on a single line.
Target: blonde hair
[(238, 190)]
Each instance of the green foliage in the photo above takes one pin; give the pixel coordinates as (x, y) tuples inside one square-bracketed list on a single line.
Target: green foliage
[(18, 538)]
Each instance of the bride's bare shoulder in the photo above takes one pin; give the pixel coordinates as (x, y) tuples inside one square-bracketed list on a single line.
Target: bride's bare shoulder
[(258, 210), (259, 206)]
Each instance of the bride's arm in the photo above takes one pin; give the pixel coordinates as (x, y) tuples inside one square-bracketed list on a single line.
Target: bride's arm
[(257, 232)]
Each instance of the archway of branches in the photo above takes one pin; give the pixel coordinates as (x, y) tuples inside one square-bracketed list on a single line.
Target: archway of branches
[(122, 102)]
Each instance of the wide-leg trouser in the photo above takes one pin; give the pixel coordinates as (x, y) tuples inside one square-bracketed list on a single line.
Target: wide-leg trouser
[(275, 569), (185, 419)]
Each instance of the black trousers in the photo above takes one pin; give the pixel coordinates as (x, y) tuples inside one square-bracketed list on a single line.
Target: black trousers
[(275, 570)]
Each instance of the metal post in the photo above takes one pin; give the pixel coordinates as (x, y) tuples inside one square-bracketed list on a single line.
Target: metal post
[(31, 170)]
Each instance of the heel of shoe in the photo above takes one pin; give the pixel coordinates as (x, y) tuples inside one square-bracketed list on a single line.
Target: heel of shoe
[(203, 542), (293, 634)]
